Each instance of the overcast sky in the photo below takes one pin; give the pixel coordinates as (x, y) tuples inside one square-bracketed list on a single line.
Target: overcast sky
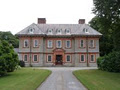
[(15, 15)]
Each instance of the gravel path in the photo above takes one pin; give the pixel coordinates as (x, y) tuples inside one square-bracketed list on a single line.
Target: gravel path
[(62, 79)]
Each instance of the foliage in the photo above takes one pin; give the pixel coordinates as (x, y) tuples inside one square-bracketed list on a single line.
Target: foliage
[(98, 79), (110, 62), (24, 79), (10, 38), (22, 63), (8, 58)]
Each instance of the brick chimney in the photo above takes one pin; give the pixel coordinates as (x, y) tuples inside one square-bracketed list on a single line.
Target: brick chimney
[(81, 21), (41, 20)]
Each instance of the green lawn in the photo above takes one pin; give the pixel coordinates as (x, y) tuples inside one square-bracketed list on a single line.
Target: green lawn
[(98, 80), (23, 79)]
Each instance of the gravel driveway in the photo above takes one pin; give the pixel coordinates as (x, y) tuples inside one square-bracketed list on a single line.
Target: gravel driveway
[(62, 79)]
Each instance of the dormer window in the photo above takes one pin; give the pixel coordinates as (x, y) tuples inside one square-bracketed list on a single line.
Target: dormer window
[(31, 30), (59, 31), (85, 30), (67, 31), (49, 31)]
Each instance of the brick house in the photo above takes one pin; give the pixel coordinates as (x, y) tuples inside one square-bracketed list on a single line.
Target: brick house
[(59, 44)]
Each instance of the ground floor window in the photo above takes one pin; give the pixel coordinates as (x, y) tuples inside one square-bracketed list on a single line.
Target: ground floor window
[(35, 58), (92, 58), (49, 58), (68, 58), (26, 58), (82, 58)]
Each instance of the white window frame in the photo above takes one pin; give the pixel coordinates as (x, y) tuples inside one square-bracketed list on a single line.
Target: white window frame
[(81, 43), (24, 58), (66, 58), (59, 31), (60, 44), (34, 43), (34, 58), (67, 31), (81, 58), (48, 45), (50, 31), (91, 58), (48, 56), (69, 43), (27, 43), (92, 44)]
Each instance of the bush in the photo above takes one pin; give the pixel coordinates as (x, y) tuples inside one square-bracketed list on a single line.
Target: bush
[(8, 58), (110, 62), (22, 63)]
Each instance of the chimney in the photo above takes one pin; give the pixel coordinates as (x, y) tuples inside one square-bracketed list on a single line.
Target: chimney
[(41, 20), (81, 21)]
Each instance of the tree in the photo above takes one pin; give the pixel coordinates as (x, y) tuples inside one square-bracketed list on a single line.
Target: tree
[(8, 58)]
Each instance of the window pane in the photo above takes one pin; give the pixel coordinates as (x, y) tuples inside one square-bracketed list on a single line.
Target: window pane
[(36, 43), (49, 43), (25, 57), (81, 43), (26, 43), (49, 58), (59, 44), (35, 57), (68, 44), (82, 57), (92, 57), (68, 58), (91, 43)]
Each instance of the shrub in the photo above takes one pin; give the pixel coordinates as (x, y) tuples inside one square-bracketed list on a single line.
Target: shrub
[(110, 62), (22, 63)]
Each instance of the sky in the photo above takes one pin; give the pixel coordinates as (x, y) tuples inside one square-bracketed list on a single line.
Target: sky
[(15, 15)]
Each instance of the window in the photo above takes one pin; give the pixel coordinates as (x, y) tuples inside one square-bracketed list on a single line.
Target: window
[(59, 44), (35, 43), (31, 30), (25, 43), (49, 43), (50, 31), (68, 43), (67, 31), (82, 58), (85, 30), (25, 58), (49, 58), (92, 58), (35, 57), (91, 43), (59, 31), (81, 43), (68, 58)]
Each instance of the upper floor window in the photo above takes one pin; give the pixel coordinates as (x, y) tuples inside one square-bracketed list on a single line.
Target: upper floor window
[(85, 30), (68, 58), (92, 58), (31, 30), (50, 31), (82, 57), (25, 58), (26, 43), (35, 43), (91, 43), (81, 43), (59, 43), (68, 44), (35, 57), (67, 31), (59, 31), (50, 44)]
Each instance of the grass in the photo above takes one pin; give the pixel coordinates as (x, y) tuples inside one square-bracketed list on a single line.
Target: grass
[(23, 79), (98, 80)]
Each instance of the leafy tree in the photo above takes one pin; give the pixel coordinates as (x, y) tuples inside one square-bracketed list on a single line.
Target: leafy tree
[(10, 38), (8, 58)]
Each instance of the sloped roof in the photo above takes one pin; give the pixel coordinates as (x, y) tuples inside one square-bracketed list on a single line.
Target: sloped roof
[(75, 29)]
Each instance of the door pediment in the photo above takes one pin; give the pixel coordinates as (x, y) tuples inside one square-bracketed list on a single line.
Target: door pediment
[(58, 50)]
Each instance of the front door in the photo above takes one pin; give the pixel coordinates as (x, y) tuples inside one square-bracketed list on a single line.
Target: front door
[(58, 59)]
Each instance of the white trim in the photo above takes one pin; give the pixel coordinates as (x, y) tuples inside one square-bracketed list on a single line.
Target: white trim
[(80, 43), (48, 44), (69, 43), (27, 42), (60, 44), (92, 44), (24, 57), (93, 58), (47, 57), (34, 58), (66, 58), (34, 42), (81, 56)]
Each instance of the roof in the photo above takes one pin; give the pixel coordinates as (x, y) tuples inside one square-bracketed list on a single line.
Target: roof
[(75, 29)]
